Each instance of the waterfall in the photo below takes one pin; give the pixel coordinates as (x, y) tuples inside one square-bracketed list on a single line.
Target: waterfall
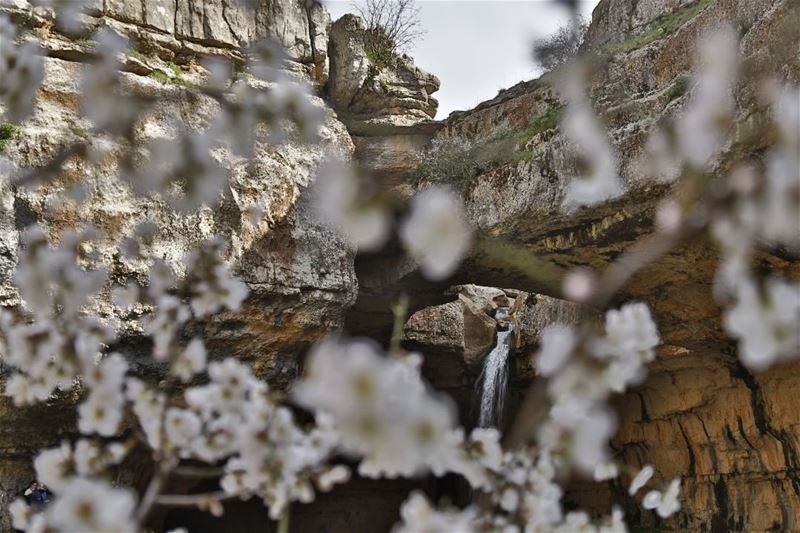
[(493, 381)]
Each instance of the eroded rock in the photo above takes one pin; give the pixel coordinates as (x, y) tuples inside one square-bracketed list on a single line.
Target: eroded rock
[(300, 273)]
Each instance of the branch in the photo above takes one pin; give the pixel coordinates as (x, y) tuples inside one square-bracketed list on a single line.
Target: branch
[(193, 500)]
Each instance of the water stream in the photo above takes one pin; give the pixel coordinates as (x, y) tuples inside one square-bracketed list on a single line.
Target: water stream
[(492, 384)]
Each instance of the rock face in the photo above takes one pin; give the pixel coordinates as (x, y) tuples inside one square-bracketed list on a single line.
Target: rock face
[(292, 264), (395, 93), (300, 274), (184, 30), (730, 434), (462, 327), (387, 107)]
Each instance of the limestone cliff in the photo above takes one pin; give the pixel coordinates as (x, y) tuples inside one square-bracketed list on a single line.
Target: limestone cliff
[(300, 273), (732, 435)]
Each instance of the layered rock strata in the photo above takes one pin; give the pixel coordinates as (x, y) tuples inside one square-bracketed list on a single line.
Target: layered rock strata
[(730, 434)]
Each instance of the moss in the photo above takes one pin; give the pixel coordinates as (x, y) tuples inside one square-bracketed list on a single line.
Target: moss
[(7, 132), (160, 76), (544, 121), (79, 131), (137, 54), (659, 28), (678, 88), (176, 79), (380, 59)]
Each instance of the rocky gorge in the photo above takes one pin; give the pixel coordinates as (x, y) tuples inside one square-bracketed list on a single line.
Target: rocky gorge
[(732, 435)]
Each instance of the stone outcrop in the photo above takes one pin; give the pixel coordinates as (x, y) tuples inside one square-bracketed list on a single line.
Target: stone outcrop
[(363, 90), (387, 106), (186, 30), (463, 327)]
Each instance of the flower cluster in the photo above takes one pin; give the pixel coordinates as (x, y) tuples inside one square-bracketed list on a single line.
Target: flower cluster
[(60, 341), (419, 516), (381, 408), (752, 207), (86, 502), (233, 418), (764, 316), (580, 423)]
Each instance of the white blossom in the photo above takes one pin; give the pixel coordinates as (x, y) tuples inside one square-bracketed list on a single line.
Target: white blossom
[(333, 476), (102, 100), (190, 361), (589, 446), (21, 514), (101, 412), (765, 324), (381, 408), (21, 73), (181, 427), (579, 285), (148, 406), (340, 201), (436, 232), (640, 480), (182, 170), (418, 516), (605, 471), (582, 127), (666, 503), (85, 505), (557, 344), (700, 130), (54, 466)]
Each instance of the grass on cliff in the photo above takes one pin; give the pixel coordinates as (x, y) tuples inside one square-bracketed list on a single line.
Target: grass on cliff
[(457, 162), (176, 79), (544, 121), (678, 88), (659, 28), (7, 132)]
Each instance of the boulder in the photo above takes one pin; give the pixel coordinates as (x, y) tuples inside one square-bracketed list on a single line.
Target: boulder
[(460, 327)]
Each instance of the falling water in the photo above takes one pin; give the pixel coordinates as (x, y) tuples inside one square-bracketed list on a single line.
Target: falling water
[(493, 380)]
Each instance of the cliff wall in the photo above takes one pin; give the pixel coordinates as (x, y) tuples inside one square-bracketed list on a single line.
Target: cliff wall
[(732, 435)]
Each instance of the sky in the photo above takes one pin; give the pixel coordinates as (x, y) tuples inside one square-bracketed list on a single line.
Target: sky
[(477, 47)]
